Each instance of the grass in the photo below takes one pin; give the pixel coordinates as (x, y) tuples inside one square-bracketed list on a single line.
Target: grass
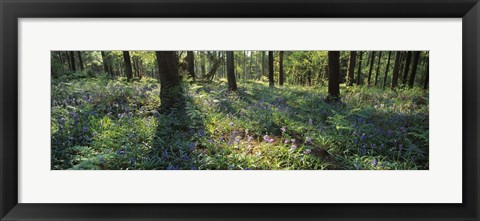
[(100, 123)]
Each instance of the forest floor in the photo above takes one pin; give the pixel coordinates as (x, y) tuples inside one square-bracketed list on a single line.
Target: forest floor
[(100, 123)]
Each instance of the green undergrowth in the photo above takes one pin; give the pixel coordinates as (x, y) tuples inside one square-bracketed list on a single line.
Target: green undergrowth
[(100, 123)]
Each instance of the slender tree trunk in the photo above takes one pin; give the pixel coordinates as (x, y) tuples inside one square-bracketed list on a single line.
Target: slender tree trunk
[(386, 70), (396, 69), (333, 75), (407, 68), (351, 68), (359, 71), (203, 65), (72, 61), (69, 62), (60, 57), (82, 67), (378, 67), (371, 67), (105, 62), (171, 94), (128, 64), (416, 58), (270, 69), (282, 74), (427, 72), (232, 82), (191, 64)]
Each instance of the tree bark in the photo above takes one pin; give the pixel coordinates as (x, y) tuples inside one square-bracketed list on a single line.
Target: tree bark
[(359, 71), (171, 94), (282, 74), (351, 68), (333, 75), (72, 61), (378, 67), (105, 62), (396, 69), (128, 65), (371, 67), (386, 70), (407, 68), (270, 69), (416, 58), (82, 67), (191, 64), (232, 82), (427, 73)]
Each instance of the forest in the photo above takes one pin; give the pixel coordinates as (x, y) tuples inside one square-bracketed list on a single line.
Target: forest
[(239, 110)]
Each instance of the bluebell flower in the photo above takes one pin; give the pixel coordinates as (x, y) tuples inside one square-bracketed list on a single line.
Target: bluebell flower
[(374, 162), (164, 153)]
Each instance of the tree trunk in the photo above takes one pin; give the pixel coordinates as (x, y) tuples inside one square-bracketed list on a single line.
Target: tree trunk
[(427, 72), (67, 54), (351, 68), (82, 67), (128, 65), (416, 58), (72, 61), (105, 62), (359, 71), (371, 67), (407, 68), (60, 57), (282, 74), (232, 82), (270, 69), (386, 71), (396, 70), (171, 94), (333, 75), (378, 67), (191, 64)]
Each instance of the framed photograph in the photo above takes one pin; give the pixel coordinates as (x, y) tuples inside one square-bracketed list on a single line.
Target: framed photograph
[(228, 110)]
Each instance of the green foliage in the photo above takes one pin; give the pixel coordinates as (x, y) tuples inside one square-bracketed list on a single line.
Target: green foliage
[(103, 123)]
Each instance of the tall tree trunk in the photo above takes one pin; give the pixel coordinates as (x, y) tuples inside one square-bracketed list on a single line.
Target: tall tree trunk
[(72, 61), (191, 64), (371, 67), (282, 74), (416, 58), (427, 72), (128, 65), (378, 67), (69, 62), (82, 67), (407, 68), (351, 68), (171, 94), (396, 69), (60, 57), (270, 69), (386, 70), (232, 82), (333, 75), (105, 62), (359, 72), (203, 65)]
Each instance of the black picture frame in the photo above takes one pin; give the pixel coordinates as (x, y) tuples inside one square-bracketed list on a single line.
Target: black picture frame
[(12, 10)]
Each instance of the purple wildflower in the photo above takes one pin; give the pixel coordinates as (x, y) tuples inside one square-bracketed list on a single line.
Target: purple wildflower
[(287, 141), (283, 129), (374, 162), (250, 138), (231, 124)]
